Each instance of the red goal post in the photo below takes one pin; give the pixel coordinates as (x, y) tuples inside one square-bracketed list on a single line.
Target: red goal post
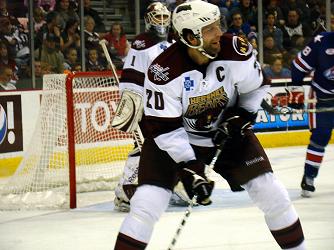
[(74, 148)]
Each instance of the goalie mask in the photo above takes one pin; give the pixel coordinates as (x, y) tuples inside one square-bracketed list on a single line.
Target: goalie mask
[(157, 19), (194, 16)]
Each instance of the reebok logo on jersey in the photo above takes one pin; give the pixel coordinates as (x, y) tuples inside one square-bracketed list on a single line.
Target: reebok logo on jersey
[(253, 161), (188, 83), (159, 73), (139, 44)]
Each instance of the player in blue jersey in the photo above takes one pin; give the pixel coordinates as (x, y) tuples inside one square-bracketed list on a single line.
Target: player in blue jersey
[(317, 56)]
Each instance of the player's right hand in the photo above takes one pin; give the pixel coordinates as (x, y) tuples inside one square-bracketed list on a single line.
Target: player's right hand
[(195, 182)]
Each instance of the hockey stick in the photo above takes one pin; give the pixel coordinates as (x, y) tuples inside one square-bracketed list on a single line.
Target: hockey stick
[(192, 202), (286, 111), (137, 134)]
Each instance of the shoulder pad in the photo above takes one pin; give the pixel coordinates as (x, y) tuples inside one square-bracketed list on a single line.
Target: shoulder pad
[(143, 41), (241, 46)]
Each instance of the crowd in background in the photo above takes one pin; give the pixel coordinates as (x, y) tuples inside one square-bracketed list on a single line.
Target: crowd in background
[(287, 27)]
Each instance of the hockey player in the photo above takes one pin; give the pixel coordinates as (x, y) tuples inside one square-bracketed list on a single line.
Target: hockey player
[(317, 56), (144, 49), (203, 89)]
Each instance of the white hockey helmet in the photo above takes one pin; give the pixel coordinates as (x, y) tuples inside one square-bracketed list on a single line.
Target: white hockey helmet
[(194, 15), (157, 19)]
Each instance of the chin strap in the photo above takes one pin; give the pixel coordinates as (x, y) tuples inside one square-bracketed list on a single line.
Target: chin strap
[(199, 48), (204, 53)]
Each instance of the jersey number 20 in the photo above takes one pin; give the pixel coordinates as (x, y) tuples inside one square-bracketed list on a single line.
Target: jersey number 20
[(157, 99)]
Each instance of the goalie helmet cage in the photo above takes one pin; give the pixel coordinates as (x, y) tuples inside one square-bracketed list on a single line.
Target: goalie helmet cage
[(74, 148)]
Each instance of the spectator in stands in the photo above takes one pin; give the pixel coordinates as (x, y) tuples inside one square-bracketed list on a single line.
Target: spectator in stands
[(300, 5), (91, 38), (5, 78), (332, 22), (289, 57), (46, 5), (270, 50), (51, 55), (26, 81), (71, 36), (39, 18), (276, 69), (65, 12), (172, 5), (273, 30), (239, 28), (295, 29), (248, 12), (52, 26), (93, 62), (38, 74), (117, 41), (4, 12), (6, 61), (3, 8), (71, 59), (17, 42), (89, 11), (272, 6), (17, 8)]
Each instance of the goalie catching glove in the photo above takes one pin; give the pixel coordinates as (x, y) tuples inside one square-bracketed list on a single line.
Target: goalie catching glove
[(129, 111), (195, 182)]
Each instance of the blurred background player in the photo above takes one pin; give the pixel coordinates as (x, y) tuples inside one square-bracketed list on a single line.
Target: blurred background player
[(317, 56), (145, 47)]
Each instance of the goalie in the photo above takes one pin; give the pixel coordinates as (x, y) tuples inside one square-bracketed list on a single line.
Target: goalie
[(144, 49)]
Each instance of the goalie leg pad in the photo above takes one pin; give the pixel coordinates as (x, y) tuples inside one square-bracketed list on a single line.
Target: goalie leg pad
[(147, 205), (129, 111), (128, 182)]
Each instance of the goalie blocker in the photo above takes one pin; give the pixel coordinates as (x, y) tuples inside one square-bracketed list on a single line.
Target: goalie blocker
[(129, 111)]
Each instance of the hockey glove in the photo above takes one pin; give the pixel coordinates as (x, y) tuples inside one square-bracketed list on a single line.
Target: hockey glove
[(233, 127), (195, 182), (295, 99)]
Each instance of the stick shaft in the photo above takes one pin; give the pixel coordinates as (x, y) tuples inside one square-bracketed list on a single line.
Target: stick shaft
[(191, 204), (106, 54)]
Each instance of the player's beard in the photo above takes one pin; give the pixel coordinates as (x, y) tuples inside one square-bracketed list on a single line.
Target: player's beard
[(212, 48)]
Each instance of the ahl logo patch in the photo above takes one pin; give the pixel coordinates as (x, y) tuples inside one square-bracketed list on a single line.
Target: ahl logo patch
[(159, 72), (3, 124), (188, 83)]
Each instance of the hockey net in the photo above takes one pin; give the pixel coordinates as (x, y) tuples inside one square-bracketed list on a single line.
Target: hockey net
[(73, 148)]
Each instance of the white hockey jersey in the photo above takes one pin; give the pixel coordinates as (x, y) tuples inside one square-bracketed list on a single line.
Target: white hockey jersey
[(183, 101), (144, 49)]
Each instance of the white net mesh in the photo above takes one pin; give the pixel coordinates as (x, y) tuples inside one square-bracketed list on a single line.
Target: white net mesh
[(42, 178)]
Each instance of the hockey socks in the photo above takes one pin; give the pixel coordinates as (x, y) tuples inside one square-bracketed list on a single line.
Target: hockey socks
[(290, 237), (125, 242)]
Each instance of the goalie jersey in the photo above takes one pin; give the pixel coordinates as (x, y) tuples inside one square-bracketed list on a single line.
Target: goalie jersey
[(184, 102), (317, 56), (144, 49)]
